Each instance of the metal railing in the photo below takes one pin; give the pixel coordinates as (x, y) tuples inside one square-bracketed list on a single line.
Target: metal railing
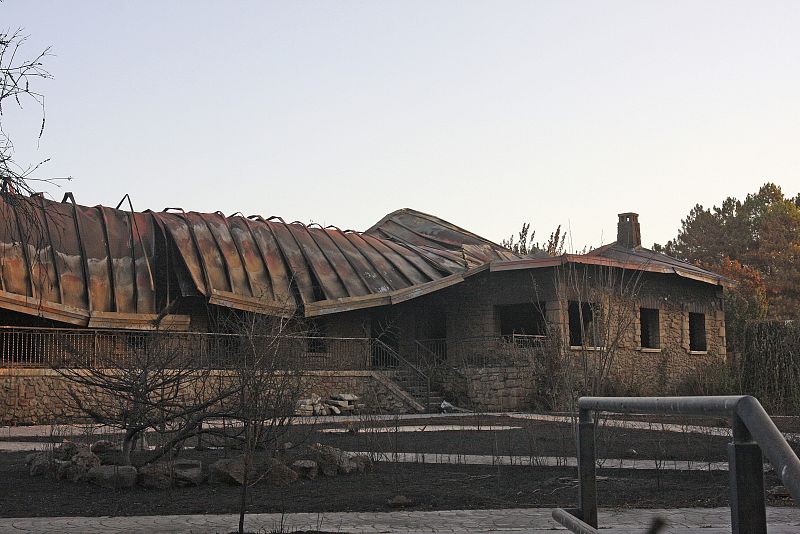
[(54, 347), (496, 351), (413, 373), (754, 434), (431, 353)]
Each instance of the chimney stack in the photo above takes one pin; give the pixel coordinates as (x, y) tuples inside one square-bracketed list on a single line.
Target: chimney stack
[(628, 233)]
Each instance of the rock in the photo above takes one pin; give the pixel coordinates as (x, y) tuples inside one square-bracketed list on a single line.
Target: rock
[(306, 468), (188, 472), (154, 476), (68, 471), (362, 462), (345, 397), (77, 467), (230, 471), (779, 491), (162, 475), (338, 403), (399, 501), (335, 410), (85, 459), (278, 474), (102, 446), (65, 451), (110, 457), (113, 476), (40, 464), (331, 460)]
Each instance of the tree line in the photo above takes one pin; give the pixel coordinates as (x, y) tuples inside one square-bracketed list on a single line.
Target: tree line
[(756, 243)]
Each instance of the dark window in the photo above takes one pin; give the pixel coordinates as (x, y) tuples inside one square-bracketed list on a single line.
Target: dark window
[(522, 319), (582, 327), (317, 333), (697, 332), (648, 317)]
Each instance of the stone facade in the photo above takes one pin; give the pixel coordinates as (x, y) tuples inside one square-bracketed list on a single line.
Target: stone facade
[(41, 396)]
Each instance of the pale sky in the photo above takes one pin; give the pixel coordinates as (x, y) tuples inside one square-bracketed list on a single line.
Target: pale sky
[(486, 113)]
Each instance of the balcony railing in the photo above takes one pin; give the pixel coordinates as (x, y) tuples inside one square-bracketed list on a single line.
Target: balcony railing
[(496, 351), (53, 347)]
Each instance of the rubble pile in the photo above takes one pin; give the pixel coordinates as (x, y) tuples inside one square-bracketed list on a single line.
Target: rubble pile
[(336, 404), (78, 463)]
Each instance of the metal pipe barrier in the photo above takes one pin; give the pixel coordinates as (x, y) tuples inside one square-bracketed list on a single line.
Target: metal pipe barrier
[(754, 435)]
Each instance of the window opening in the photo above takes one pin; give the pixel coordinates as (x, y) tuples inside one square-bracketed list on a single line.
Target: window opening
[(649, 322), (582, 324), (697, 332), (317, 333)]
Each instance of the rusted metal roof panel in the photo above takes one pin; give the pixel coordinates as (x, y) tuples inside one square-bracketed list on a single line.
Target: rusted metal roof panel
[(273, 259), (421, 229), (69, 261), (253, 262), (104, 266)]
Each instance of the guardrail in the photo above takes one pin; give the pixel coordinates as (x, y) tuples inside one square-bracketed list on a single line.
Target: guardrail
[(754, 433), (53, 347)]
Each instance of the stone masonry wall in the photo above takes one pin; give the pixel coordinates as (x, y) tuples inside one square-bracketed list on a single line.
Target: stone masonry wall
[(40, 396), (492, 389)]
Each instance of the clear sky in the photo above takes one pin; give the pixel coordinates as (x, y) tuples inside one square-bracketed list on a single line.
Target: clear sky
[(486, 114)]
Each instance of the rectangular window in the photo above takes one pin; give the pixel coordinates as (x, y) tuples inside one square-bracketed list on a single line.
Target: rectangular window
[(522, 319), (316, 339), (583, 325), (650, 335), (697, 332)]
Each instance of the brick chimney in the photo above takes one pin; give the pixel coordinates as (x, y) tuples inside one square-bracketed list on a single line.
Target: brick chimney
[(628, 233)]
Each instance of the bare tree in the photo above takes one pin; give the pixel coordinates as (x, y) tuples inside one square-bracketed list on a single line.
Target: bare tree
[(145, 381), (265, 373), (18, 76), (599, 304)]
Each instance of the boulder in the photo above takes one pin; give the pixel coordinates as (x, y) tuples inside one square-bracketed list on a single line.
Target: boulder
[(278, 474), (76, 468), (110, 456), (40, 464), (188, 472), (65, 451), (331, 460), (162, 475), (306, 468), (113, 476), (345, 397), (362, 462), (230, 471), (99, 447)]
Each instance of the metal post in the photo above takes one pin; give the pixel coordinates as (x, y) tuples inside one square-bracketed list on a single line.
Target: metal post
[(587, 495), (746, 472)]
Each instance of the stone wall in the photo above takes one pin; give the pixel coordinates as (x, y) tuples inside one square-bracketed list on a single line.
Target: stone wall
[(40, 396), (491, 389)]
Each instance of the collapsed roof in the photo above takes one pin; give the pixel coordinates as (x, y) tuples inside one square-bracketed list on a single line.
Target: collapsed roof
[(108, 267)]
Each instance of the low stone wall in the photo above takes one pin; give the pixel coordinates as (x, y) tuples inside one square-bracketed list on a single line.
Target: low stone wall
[(40, 396), (492, 389)]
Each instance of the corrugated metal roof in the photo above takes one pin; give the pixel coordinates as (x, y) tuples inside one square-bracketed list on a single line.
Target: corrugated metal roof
[(437, 236), (106, 267), (270, 264), (619, 256)]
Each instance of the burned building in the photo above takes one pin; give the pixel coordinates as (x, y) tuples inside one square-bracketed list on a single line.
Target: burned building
[(428, 309)]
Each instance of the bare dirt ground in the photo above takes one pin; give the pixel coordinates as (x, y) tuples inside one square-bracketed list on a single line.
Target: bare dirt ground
[(428, 486)]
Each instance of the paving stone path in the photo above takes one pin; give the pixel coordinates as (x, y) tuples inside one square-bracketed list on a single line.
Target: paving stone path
[(523, 521)]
